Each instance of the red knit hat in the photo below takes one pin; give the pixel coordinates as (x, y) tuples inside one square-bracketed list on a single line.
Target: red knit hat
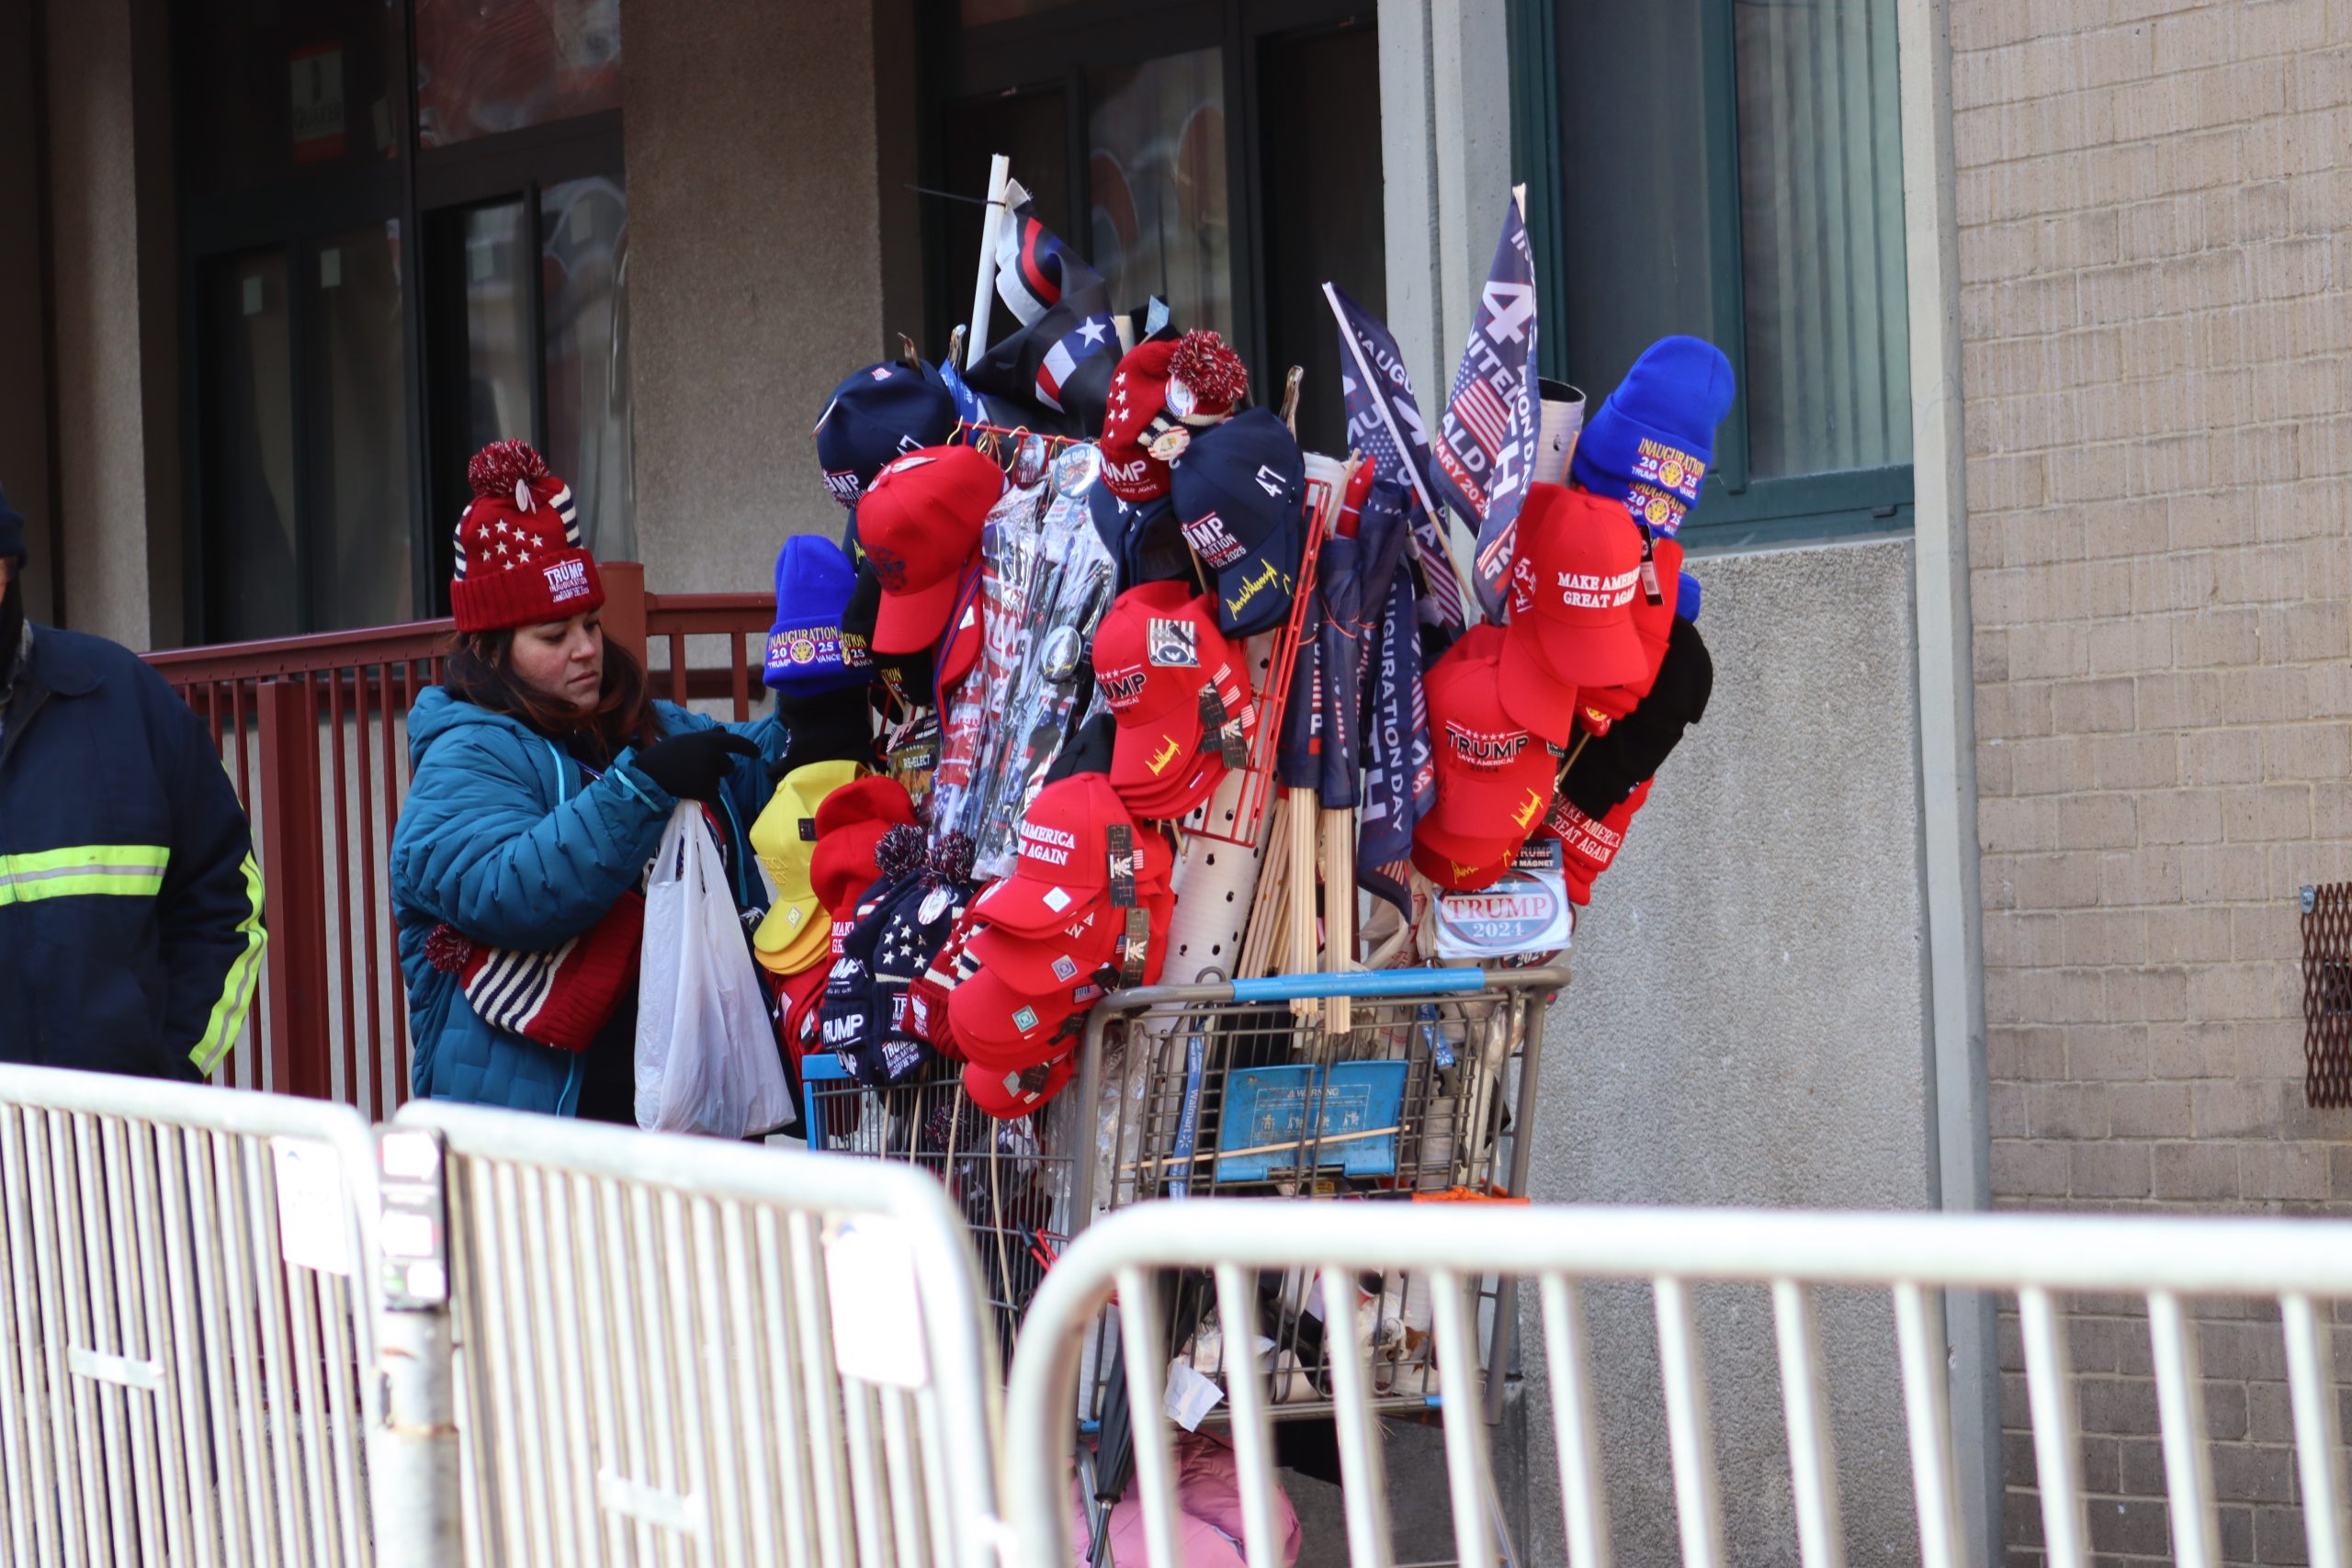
[(519, 558), (1163, 394)]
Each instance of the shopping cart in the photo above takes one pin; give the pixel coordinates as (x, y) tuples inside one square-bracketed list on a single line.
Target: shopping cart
[(1011, 1180), (1229, 1089)]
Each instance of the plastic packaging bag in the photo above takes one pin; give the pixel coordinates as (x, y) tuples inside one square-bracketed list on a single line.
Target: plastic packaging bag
[(706, 1059)]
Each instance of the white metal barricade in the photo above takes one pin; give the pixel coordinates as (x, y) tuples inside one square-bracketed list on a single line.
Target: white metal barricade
[(2302, 1265), (180, 1336), (672, 1350)]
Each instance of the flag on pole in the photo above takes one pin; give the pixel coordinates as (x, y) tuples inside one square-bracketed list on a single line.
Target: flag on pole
[(1055, 371), (1486, 445), (1401, 776), (1385, 424), (1034, 271)]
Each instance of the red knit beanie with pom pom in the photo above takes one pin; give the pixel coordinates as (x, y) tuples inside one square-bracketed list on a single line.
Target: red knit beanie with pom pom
[(1163, 394), (519, 558)]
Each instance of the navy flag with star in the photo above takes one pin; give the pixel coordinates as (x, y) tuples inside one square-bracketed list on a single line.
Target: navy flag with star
[(1056, 370)]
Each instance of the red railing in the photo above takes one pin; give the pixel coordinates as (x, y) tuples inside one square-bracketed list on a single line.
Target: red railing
[(315, 732)]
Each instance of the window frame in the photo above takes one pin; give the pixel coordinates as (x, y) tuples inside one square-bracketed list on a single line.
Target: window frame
[(1739, 512), (416, 188), (1053, 50)]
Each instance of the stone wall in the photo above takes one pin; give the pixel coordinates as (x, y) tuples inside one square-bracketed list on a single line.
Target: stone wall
[(1745, 1028), (2153, 250)]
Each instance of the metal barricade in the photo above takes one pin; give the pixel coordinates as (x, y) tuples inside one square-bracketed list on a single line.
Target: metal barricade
[(675, 1350), (182, 1325), (2302, 1266), (1010, 1180)]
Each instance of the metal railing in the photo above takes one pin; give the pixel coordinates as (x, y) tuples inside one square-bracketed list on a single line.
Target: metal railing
[(2299, 1265), (646, 1349), (181, 1324), (315, 732), (675, 1350)]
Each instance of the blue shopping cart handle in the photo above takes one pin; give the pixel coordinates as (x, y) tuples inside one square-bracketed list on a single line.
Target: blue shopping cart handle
[(1372, 982)]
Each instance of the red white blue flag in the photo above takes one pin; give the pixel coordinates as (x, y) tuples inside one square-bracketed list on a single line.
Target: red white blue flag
[(1485, 444), (1034, 271)]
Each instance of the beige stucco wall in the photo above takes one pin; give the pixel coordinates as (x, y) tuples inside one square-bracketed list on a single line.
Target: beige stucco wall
[(756, 278)]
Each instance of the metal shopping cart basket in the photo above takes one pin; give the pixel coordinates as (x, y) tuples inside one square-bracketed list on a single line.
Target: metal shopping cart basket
[(1013, 1181), (1240, 1088), (1252, 1088)]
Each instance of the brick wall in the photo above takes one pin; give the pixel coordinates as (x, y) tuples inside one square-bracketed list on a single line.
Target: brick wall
[(2153, 252)]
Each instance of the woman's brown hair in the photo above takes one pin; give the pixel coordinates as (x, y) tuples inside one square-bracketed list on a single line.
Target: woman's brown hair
[(480, 669)]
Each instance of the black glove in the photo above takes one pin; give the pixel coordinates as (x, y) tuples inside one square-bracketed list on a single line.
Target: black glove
[(691, 766)]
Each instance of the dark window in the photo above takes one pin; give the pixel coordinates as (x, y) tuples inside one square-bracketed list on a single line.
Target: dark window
[(251, 573), (1764, 215), (1317, 228), (485, 66), (1224, 158), (405, 233)]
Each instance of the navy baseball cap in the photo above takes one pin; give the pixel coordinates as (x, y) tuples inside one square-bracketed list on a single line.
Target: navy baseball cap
[(1239, 490), (1140, 536), (807, 653), (880, 412)]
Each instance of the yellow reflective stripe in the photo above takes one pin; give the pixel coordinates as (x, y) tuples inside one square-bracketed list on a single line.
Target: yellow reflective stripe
[(87, 854), (127, 870), (228, 1020)]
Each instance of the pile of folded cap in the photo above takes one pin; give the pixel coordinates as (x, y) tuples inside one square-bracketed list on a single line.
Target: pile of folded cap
[(1087, 906), (1554, 722), (1178, 693)]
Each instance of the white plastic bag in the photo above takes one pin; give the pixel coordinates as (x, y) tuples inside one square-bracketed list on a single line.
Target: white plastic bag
[(707, 1058)]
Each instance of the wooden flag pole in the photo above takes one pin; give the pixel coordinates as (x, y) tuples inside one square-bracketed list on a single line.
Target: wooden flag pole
[(1338, 835), (1264, 932), (984, 292)]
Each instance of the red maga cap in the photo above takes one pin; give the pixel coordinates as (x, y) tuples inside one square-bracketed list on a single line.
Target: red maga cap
[(1494, 776), (1572, 588), (1006, 1095), (849, 823), (1652, 624), (1158, 645), (1002, 1027), (1065, 857), (919, 524)]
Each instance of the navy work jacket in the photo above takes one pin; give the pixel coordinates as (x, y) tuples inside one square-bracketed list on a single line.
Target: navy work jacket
[(131, 908)]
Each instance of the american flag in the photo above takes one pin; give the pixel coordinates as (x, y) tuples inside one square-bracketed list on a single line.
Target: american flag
[(1478, 408), (1486, 445), (1385, 424)]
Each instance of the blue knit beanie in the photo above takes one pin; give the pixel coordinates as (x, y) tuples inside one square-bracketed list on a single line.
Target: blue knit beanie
[(1649, 442)]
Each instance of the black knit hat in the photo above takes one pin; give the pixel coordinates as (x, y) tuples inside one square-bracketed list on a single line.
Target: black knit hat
[(1610, 766)]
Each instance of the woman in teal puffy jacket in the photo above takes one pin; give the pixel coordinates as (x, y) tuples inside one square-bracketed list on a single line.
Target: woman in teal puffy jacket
[(544, 775)]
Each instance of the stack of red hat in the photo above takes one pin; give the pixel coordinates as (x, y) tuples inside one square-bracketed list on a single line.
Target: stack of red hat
[(1050, 936), (919, 525), (1573, 584), (1494, 776), (1597, 707), (1178, 694)]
